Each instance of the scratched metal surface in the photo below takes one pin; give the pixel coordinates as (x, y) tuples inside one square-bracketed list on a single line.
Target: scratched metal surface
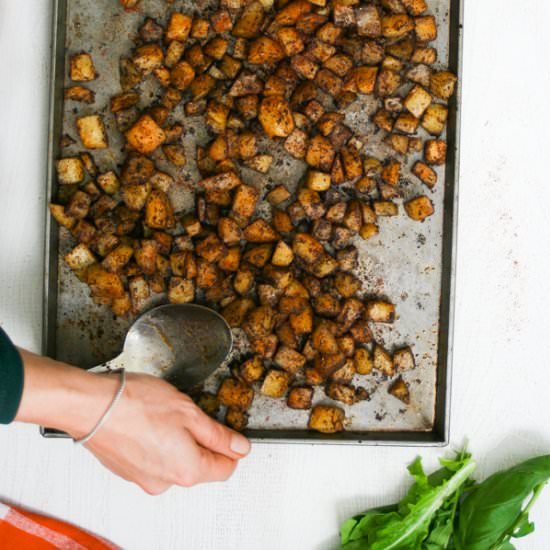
[(408, 262)]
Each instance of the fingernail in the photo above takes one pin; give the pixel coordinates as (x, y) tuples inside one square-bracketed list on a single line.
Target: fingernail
[(239, 444)]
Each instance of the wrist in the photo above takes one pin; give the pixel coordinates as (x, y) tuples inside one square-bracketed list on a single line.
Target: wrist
[(63, 397)]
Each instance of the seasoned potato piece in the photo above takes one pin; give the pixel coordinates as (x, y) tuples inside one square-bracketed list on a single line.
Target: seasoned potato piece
[(216, 47), (115, 261), (327, 305), (209, 403), (289, 359), (400, 390), (199, 28), (244, 203), (323, 339), (384, 120), (265, 347), (391, 172), (361, 332), (327, 419), (145, 135), (243, 281), (79, 258), (292, 12), (442, 84), (220, 182), (278, 195), (425, 174), (307, 247), (425, 28), (211, 249), (419, 208), (380, 311), (310, 204), (387, 82), (382, 361), (235, 419), (399, 143), (236, 311), (249, 23), (346, 284), (317, 181), (92, 132), (258, 256), (363, 361), (385, 208), (415, 7), (417, 101), (147, 58), (290, 40), (79, 93), (396, 26), (365, 79), (282, 255), (302, 323), (275, 383), (235, 394), (181, 291), (252, 369), (82, 68), (369, 22), (347, 258), (104, 284), (260, 322), (182, 75), (61, 217), (70, 170), (179, 27), (352, 309), (265, 50), (341, 392), (406, 123), (260, 163), (229, 231), (403, 359), (300, 397), (435, 151), (216, 116), (320, 153), (275, 117), (281, 221), (158, 210), (259, 231)]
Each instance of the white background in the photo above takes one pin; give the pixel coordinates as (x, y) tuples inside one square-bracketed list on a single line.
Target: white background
[(290, 497)]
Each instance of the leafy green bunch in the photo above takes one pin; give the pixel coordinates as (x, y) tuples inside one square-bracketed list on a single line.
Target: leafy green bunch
[(447, 510)]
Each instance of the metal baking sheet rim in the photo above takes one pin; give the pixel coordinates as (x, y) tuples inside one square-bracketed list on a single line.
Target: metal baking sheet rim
[(439, 435)]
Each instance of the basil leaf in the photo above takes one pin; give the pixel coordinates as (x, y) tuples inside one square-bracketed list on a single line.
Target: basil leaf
[(523, 528), (490, 511)]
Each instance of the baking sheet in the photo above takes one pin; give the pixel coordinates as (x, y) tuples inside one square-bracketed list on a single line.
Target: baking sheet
[(410, 263)]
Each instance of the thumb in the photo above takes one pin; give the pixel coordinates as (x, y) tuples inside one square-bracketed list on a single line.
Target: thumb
[(212, 435)]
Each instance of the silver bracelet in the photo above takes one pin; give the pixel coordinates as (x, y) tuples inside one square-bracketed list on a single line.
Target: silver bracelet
[(109, 410)]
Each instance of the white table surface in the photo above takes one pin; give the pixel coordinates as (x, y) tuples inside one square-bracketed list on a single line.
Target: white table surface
[(288, 497)]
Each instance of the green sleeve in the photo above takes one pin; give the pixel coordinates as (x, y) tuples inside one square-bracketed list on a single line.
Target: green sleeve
[(11, 379)]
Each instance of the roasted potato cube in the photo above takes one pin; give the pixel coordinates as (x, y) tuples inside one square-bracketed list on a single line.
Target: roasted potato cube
[(329, 82), (249, 23), (380, 311), (260, 163), (387, 83), (275, 117), (442, 84), (216, 47), (341, 392), (235, 394), (385, 208), (346, 345), (236, 311), (399, 143), (252, 369), (104, 284), (400, 390), (82, 68), (278, 195), (229, 231), (323, 338), (300, 397), (235, 419), (260, 322), (391, 172), (292, 12), (290, 40), (365, 79), (265, 50), (296, 143), (302, 323), (320, 153), (361, 332), (435, 151), (317, 181), (406, 123), (92, 132), (148, 57), (382, 361), (61, 217), (363, 361), (351, 310), (384, 120), (259, 231), (283, 255), (425, 28), (244, 203), (425, 174), (281, 221), (369, 22), (346, 284), (419, 208), (208, 275), (175, 153), (275, 383), (305, 66), (258, 256), (403, 359), (208, 403), (243, 281), (417, 100), (368, 230), (146, 256), (199, 28), (221, 21), (232, 259), (265, 347), (158, 210), (347, 258), (216, 116), (79, 93), (121, 306), (179, 27), (415, 7), (182, 75), (328, 33), (70, 170), (327, 419), (211, 249), (115, 261), (307, 248), (109, 182), (181, 291), (426, 56), (396, 26), (145, 135), (289, 359), (78, 205), (79, 258)]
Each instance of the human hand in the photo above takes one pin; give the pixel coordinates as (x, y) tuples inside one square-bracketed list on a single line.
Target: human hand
[(155, 437)]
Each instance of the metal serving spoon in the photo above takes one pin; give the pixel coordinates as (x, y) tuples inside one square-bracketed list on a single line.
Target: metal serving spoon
[(184, 344)]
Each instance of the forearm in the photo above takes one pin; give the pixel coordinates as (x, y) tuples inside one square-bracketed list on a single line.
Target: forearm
[(63, 397)]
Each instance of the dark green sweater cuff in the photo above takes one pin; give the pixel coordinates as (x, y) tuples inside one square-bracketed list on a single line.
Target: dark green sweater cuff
[(11, 379)]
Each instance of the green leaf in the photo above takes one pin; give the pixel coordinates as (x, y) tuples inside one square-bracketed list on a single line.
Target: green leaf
[(523, 527), (359, 526), (489, 512)]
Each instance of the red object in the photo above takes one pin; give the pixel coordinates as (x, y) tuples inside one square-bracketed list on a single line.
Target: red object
[(22, 530)]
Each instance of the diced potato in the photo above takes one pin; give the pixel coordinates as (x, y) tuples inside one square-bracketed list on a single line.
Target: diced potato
[(249, 23), (275, 117), (82, 68), (104, 284), (289, 359), (92, 132), (328, 33), (235, 394), (290, 40), (302, 323), (260, 163), (122, 306), (406, 123), (347, 258), (283, 255), (300, 397), (158, 210), (179, 27), (352, 309), (281, 221), (147, 58), (400, 390), (361, 332), (382, 361), (365, 79), (317, 181), (387, 82), (344, 16), (235, 419), (181, 290), (426, 174), (265, 347), (61, 217), (236, 311), (70, 170), (199, 28), (307, 247), (109, 182), (368, 230), (327, 419), (211, 248), (252, 369), (391, 172), (182, 75), (399, 143), (442, 84), (341, 392), (265, 51), (415, 7), (435, 151), (363, 361), (79, 258), (275, 383), (259, 231), (380, 311), (385, 208), (79, 93), (403, 359), (427, 56), (419, 208), (384, 120), (396, 26), (320, 153), (115, 261), (291, 13), (425, 28), (417, 101), (220, 182), (258, 256), (323, 338), (278, 195)]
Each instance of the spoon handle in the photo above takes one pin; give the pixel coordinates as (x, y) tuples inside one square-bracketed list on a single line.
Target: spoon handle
[(113, 364)]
